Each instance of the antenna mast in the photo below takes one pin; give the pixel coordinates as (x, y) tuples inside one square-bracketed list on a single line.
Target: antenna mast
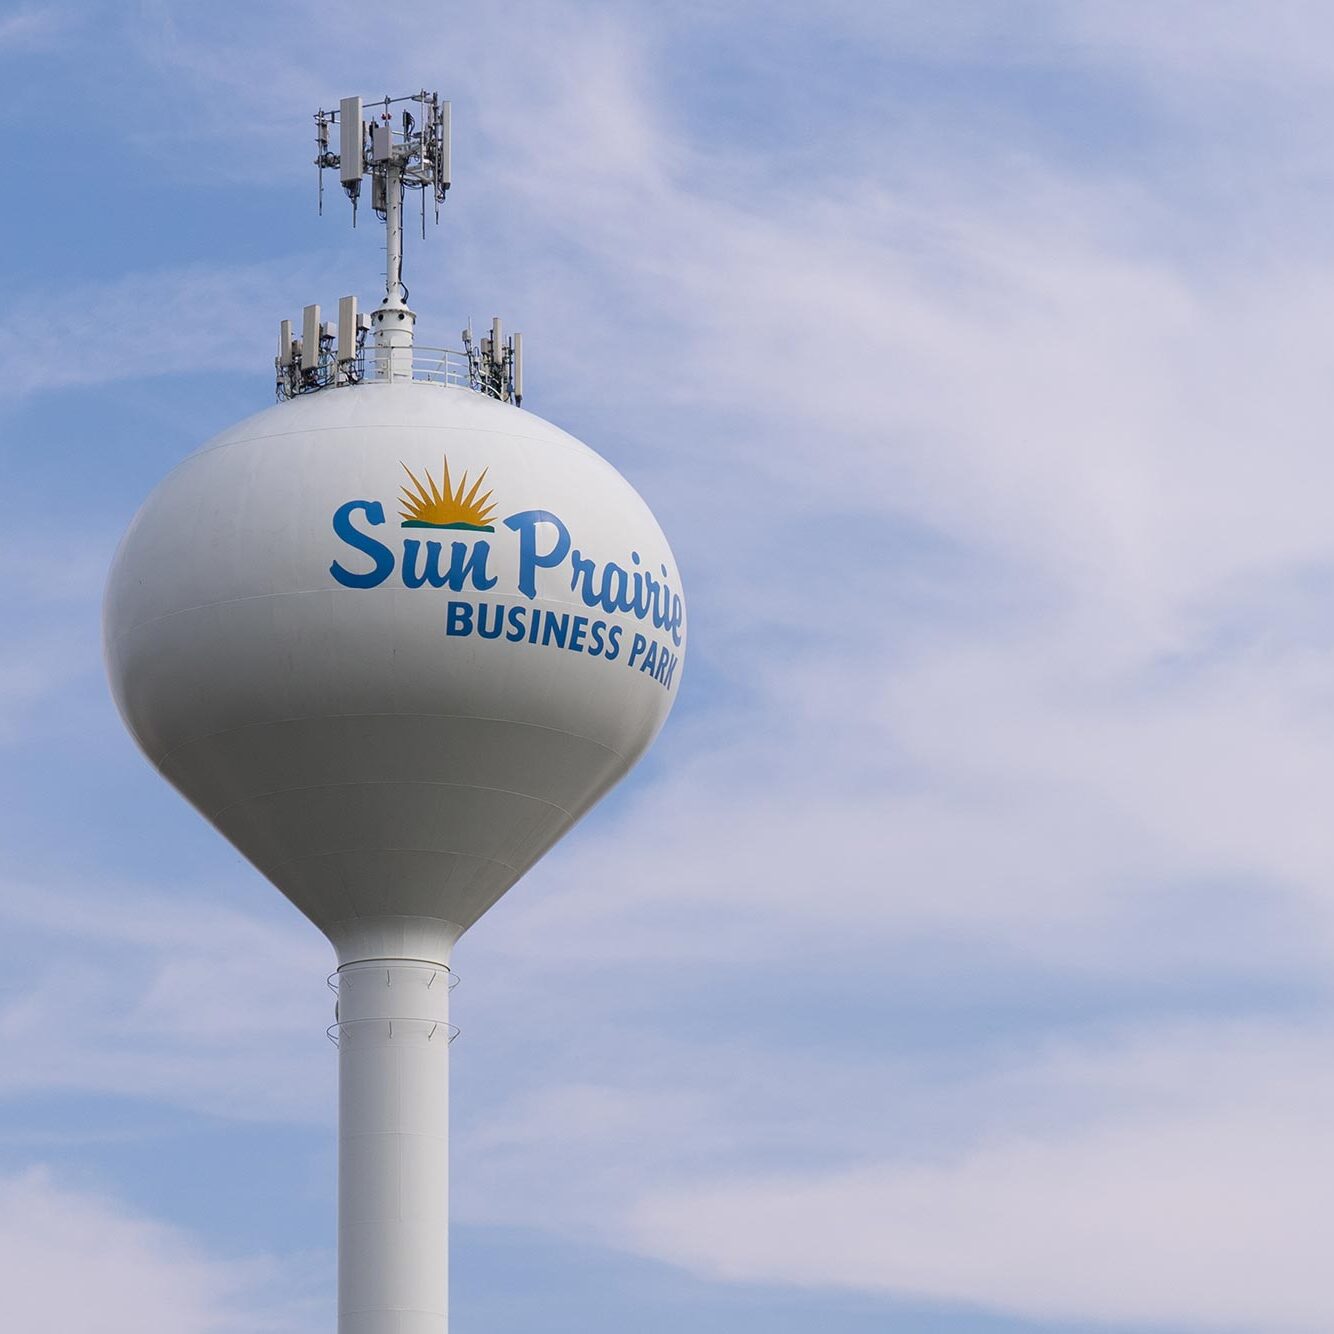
[(413, 153)]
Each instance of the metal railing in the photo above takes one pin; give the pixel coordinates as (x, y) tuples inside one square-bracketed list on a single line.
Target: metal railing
[(490, 365), (335, 1030), (379, 365), (436, 365)]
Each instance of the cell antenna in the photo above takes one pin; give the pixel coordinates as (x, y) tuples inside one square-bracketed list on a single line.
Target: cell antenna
[(401, 144), (412, 154)]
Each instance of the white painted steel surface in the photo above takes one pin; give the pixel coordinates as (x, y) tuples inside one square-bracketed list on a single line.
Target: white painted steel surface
[(392, 323), (347, 328), (310, 338), (351, 132), (392, 780), (393, 1148)]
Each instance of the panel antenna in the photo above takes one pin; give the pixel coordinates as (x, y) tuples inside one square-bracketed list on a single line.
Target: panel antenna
[(401, 144)]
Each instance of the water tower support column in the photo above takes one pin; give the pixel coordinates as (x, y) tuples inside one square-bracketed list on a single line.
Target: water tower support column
[(393, 1147)]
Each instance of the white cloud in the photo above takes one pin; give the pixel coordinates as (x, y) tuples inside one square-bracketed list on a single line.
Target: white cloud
[(1159, 1177), (1224, 46), (35, 668), (48, 599), (71, 1260), (1115, 695), (198, 320), (31, 27), (1214, 1222), (170, 999)]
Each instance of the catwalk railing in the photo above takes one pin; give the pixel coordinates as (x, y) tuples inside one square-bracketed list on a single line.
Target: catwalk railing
[(383, 365)]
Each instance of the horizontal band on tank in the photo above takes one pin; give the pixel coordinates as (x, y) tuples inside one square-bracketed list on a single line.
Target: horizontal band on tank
[(431, 852), (449, 716), (386, 782), (122, 631), (334, 1030), (398, 965)]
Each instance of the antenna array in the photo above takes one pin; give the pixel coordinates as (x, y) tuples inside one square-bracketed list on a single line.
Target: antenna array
[(417, 150), (495, 365), (404, 144)]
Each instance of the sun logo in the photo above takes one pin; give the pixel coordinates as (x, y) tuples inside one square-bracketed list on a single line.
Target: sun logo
[(432, 506)]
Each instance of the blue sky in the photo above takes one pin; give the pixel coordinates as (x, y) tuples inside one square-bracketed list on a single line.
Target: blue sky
[(957, 962)]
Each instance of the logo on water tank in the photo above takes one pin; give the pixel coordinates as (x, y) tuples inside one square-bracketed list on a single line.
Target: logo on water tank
[(431, 506), (543, 543)]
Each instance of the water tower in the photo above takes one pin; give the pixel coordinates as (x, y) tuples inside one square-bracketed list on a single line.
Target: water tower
[(392, 637)]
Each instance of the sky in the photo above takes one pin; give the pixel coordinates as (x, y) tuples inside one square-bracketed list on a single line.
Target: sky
[(958, 961)]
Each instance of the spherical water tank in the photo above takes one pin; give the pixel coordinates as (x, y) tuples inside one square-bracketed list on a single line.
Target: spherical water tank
[(393, 640)]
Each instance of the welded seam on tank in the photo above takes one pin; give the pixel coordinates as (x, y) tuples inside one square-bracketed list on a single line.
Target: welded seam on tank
[(584, 452), (425, 852), (321, 717), (433, 1312), (389, 782), (303, 592)]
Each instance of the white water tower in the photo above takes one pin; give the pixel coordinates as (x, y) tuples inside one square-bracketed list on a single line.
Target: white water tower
[(392, 637)]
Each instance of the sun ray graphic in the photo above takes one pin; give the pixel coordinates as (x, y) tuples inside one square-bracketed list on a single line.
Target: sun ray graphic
[(426, 505)]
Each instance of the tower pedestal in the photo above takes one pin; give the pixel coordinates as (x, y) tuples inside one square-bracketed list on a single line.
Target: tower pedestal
[(393, 1147)]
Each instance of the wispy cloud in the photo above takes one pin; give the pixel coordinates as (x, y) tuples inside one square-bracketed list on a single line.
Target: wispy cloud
[(49, 600), (170, 999), (135, 1275), (988, 420), (32, 27), (1169, 1177), (205, 319)]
